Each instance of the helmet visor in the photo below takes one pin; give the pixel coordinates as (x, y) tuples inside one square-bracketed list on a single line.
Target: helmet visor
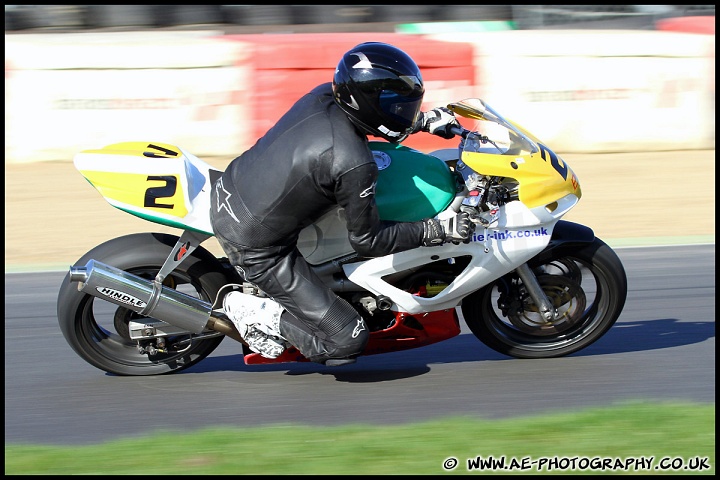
[(402, 108)]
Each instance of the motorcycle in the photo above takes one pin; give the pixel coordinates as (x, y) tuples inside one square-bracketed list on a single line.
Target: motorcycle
[(527, 283)]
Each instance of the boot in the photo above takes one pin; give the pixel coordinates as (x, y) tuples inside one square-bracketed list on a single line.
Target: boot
[(257, 319)]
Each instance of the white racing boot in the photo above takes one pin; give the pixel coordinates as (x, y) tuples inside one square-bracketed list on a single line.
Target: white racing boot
[(258, 321)]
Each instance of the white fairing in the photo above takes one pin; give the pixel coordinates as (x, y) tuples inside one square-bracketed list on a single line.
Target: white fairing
[(518, 237), (198, 178)]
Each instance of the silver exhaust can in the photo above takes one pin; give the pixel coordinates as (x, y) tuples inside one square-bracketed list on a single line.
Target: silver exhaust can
[(142, 296)]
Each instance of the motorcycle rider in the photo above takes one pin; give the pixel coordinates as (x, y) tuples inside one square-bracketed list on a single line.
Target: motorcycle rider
[(315, 157)]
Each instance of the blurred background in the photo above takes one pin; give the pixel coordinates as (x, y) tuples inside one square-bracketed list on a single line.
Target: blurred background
[(625, 93), (214, 78), (334, 18)]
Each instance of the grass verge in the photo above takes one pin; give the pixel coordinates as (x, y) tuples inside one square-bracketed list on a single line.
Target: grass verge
[(668, 438)]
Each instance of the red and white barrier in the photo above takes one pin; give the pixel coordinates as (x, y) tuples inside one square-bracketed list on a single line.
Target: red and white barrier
[(580, 91)]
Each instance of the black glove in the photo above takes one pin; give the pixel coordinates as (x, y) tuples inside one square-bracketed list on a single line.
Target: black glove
[(438, 122), (454, 229)]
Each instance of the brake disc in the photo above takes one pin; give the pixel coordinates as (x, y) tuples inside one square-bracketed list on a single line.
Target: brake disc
[(567, 297)]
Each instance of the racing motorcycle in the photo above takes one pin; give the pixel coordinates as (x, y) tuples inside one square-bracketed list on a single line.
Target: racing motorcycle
[(527, 283)]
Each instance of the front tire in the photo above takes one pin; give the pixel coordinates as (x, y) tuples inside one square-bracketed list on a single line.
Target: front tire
[(587, 285), (98, 330)]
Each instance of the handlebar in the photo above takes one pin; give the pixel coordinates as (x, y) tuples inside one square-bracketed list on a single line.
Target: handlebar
[(464, 133), (459, 131)]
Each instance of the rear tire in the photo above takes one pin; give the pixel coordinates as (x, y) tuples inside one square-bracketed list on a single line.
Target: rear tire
[(97, 330), (587, 285)]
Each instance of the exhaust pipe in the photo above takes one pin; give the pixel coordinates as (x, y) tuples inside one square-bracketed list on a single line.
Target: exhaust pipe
[(144, 297)]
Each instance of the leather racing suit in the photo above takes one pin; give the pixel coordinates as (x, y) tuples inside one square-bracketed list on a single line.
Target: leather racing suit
[(313, 159)]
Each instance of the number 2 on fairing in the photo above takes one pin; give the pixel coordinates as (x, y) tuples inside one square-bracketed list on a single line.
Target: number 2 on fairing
[(167, 190), (554, 160)]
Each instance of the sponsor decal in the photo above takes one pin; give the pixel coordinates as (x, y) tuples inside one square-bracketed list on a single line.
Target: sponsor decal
[(368, 191), (353, 103), (183, 251), (121, 297), (388, 132), (223, 199), (363, 61), (358, 328), (509, 235)]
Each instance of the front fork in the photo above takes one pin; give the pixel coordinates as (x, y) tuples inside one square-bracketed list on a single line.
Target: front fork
[(545, 306), (564, 234)]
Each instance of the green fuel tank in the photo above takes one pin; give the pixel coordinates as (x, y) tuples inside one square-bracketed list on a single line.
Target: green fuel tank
[(411, 185)]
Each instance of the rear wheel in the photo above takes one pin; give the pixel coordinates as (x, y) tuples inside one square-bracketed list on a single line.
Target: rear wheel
[(587, 286), (99, 331)]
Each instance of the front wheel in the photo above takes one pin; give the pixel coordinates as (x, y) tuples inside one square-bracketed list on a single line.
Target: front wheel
[(99, 331), (587, 286)]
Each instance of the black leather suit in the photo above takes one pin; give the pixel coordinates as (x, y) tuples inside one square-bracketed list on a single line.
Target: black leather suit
[(313, 159)]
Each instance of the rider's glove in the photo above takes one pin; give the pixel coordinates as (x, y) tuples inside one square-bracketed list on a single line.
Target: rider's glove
[(438, 122), (454, 229)]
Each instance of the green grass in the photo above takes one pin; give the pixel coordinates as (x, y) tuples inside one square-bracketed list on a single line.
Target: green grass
[(684, 432)]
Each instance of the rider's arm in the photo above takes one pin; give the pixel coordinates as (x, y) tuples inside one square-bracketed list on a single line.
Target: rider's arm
[(368, 235)]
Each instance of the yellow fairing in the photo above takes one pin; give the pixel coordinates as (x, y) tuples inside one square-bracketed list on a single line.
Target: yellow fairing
[(543, 177), (159, 189), (142, 191)]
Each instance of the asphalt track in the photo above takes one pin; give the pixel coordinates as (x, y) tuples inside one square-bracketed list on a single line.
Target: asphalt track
[(662, 348)]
